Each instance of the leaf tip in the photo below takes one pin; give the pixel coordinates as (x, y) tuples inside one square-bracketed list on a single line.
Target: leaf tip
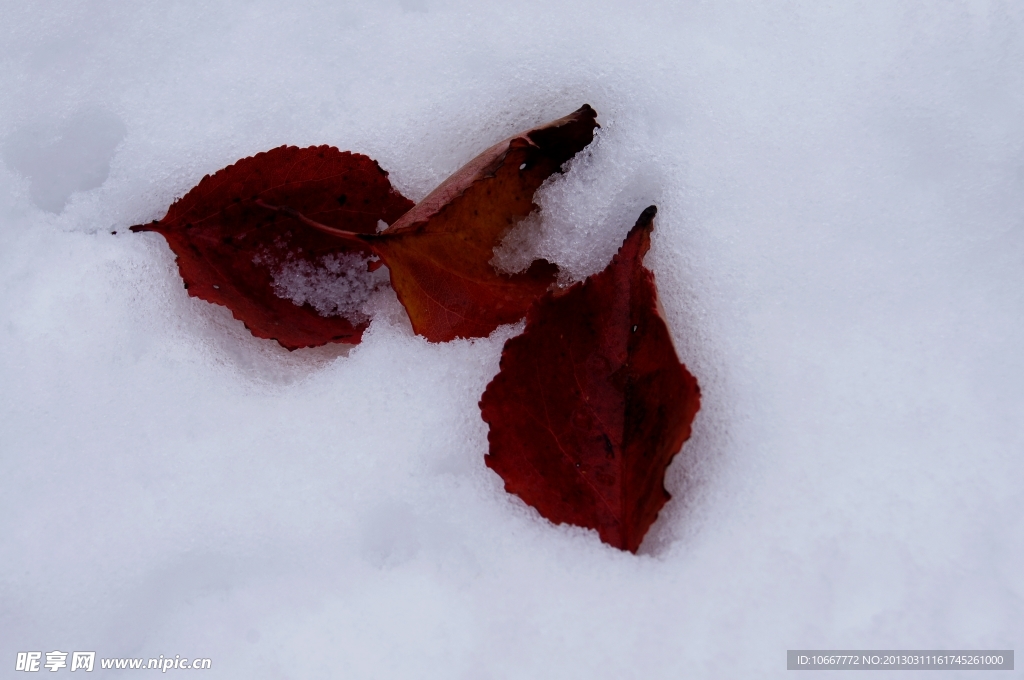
[(564, 138), (647, 215)]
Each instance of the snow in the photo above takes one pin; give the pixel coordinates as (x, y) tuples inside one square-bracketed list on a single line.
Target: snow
[(840, 253), (334, 285)]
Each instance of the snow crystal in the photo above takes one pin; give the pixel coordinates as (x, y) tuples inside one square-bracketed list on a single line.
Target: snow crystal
[(337, 285)]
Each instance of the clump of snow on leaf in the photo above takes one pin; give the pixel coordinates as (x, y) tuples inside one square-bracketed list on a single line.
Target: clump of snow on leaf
[(337, 285), (584, 212)]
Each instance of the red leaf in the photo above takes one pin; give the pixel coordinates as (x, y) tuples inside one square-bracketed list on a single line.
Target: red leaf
[(591, 403), (234, 252), (439, 253)]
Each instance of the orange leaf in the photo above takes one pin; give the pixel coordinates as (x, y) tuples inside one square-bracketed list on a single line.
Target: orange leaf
[(439, 253)]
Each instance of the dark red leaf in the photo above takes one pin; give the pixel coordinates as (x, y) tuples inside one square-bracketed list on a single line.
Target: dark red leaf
[(592, 403), (235, 252), (439, 253)]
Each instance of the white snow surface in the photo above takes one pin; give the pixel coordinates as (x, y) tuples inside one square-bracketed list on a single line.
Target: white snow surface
[(839, 249)]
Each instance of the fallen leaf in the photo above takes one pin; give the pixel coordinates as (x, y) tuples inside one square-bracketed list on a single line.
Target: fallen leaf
[(591, 403), (439, 253), (234, 252)]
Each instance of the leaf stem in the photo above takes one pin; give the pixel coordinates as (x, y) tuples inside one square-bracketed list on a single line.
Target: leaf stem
[(351, 236)]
